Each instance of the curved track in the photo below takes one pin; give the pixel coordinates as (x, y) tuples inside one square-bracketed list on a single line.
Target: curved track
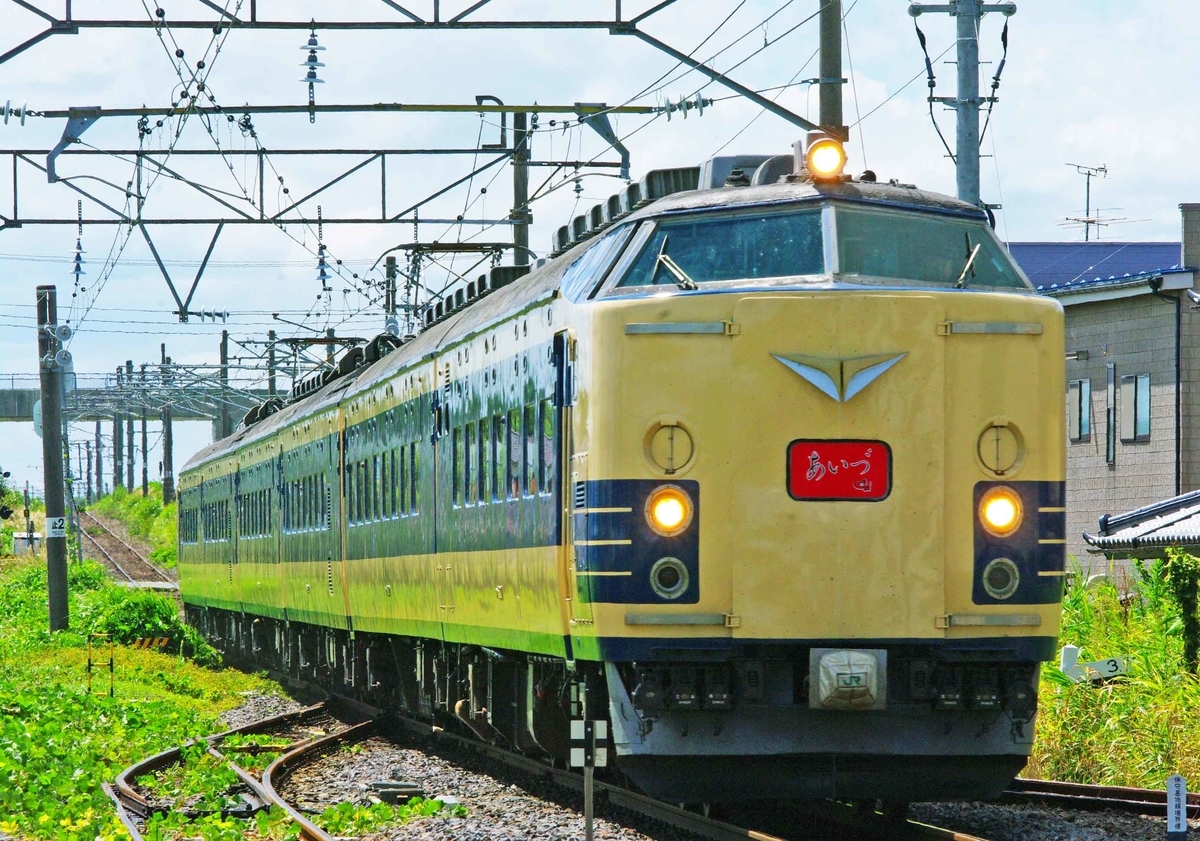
[(125, 561), (134, 810)]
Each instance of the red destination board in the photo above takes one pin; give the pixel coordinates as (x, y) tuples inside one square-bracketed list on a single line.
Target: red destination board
[(841, 471)]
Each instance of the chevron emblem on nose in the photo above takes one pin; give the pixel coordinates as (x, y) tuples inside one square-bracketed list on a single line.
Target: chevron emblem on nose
[(840, 379)]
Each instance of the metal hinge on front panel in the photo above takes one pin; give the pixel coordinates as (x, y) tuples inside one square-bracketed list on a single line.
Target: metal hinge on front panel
[(714, 328), (975, 620)]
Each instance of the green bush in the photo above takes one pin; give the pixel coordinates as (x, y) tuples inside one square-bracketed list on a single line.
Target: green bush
[(1135, 731)]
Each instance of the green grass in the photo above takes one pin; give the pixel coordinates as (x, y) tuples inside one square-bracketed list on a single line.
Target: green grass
[(1132, 732), (57, 742), (145, 517)]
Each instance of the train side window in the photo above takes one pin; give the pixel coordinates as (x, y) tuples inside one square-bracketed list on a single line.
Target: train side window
[(385, 475), (531, 450), (499, 457), (589, 268), (483, 449), (547, 454), (456, 468), (414, 466), (469, 464), (514, 453), (402, 480), (377, 490)]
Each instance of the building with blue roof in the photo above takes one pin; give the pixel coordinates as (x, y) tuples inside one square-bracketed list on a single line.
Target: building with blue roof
[(1133, 369)]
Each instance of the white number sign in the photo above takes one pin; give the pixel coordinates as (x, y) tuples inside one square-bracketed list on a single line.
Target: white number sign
[(56, 527)]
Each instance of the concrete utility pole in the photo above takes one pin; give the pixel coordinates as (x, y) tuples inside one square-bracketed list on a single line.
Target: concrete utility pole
[(88, 448), (99, 463), (226, 427), (831, 80), (145, 443), (130, 455), (118, 440), (51, 361), (168, 441), (271, 390), (967, 102), (521, 215)]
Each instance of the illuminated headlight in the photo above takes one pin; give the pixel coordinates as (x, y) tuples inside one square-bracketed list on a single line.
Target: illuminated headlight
[(1000, 578), (669, 510), (825, 159), (1000, 511)]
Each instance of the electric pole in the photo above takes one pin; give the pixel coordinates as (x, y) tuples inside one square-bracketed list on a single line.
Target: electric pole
[(225, 424), (51, 360), (130, 455), (118, 439), (968, 14), (831, 80), (168, 469), (271, 388), (521, 215), (88, 447), (99, 463)]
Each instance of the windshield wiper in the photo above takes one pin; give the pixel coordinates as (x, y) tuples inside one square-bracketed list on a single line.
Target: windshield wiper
[(664, 259), (972, 253)]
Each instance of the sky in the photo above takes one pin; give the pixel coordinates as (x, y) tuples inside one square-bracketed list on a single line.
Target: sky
[(1090, 82)]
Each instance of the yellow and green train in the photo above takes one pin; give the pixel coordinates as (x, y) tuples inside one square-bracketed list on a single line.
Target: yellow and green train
[(769, 475)]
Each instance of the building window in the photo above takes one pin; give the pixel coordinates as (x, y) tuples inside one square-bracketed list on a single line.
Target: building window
[(1079, 410), (1135, 408)]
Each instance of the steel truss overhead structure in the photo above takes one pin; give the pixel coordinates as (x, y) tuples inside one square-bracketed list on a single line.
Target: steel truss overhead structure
[(440, 17)]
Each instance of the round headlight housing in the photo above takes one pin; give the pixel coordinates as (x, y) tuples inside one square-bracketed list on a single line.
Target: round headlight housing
[(669, 578), (1000, 578), (825, 159), (1001, 511), (669, 510)]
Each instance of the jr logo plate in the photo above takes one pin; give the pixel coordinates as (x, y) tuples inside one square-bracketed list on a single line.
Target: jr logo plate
[(839, 471)]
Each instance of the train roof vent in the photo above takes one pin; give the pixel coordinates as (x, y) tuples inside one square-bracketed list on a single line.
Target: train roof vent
[(612, 209), (596, 220), (579, 228), (500, 276), (714, 171), (460, 298), (630, 198), (773, 169), (659, 183), (428, 316), (561, 240)]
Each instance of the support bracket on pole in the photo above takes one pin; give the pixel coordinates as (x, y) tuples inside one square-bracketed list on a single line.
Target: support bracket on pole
[(595, 116), (78, 121)]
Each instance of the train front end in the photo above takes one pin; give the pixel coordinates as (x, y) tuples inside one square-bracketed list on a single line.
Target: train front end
[(819, 522)]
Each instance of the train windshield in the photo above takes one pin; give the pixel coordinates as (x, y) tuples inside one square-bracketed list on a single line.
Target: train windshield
[(923, 248), (702, 249)]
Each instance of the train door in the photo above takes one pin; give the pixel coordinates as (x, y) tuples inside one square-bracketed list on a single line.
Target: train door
[(572, 480), (439, 477), (233, 524)]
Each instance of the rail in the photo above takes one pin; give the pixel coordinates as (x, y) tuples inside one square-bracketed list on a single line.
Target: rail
[(146, 571), (133, 809), (1136, 801)]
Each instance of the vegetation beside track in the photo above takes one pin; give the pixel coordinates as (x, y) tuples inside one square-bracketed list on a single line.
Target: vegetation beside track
[(145, 517), (57, 742), (1135, 731)]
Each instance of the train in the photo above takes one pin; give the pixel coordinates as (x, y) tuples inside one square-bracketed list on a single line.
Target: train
[(764, 467)]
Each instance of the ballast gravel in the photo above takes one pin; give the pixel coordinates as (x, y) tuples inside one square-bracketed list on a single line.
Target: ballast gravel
[(502, 804), (1041, 823), (258, 706)]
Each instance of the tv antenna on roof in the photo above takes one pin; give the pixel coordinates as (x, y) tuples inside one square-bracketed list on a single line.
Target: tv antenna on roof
[(1088, 172)]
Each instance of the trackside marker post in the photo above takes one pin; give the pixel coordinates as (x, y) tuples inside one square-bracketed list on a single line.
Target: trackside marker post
[(588, 752), (1177, 826)]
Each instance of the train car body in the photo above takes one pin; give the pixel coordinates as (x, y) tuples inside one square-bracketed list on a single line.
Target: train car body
[(771, 477)]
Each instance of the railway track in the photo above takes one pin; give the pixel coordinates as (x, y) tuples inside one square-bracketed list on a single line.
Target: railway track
[(1135, 801), (125, 561), (136, 804)]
